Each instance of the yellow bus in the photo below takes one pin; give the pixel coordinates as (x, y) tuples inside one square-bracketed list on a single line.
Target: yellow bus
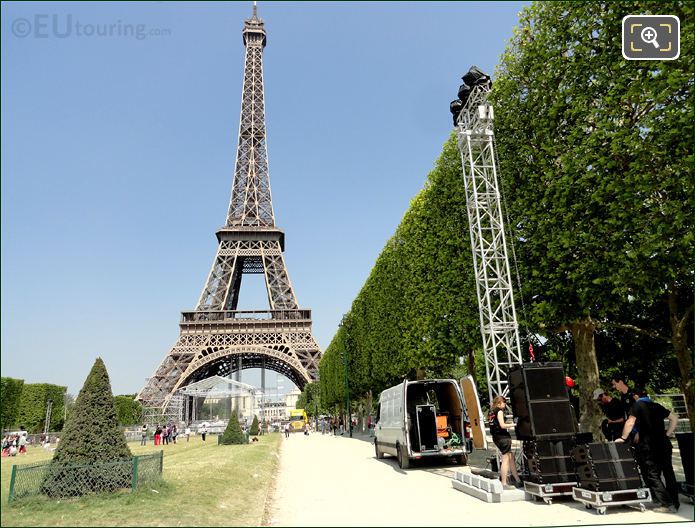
[(298, 420)]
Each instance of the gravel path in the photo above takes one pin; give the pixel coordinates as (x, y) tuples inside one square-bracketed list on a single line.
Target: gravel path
[(336, 481)]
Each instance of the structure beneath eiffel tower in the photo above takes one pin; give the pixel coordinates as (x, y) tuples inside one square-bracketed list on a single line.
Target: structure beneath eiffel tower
[(216, 338)]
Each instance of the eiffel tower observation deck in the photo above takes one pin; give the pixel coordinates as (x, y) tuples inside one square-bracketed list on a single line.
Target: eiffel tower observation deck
[(217, 339)]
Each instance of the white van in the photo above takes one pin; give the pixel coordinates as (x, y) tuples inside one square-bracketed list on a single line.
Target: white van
[(422, 418)]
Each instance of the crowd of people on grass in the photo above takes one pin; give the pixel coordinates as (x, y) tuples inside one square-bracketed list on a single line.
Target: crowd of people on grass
[(14, 444), (167, 434)]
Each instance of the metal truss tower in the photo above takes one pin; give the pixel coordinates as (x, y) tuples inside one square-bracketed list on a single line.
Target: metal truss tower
[(498, 323), (216, 338)]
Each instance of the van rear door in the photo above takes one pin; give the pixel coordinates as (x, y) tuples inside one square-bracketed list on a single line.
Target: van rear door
[(406, 421), (475, 413)]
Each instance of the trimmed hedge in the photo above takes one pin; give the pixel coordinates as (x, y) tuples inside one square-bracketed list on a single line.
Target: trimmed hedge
[(254, 431), (91, 437), (10, 398), (32, 406), (128, 411), (233, 433)]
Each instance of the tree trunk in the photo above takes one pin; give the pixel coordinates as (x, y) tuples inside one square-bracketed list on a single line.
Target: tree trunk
[(679, 339), (587, 369), (420, 373)]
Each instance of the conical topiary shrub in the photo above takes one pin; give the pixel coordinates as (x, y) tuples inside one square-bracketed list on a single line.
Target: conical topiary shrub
[(233, 433), (253, 431), (91, 439)]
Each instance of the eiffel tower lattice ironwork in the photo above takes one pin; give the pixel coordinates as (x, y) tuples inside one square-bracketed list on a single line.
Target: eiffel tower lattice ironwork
[(216, 338)]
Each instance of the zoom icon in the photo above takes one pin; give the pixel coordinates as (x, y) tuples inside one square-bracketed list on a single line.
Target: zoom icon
[(651, 37)]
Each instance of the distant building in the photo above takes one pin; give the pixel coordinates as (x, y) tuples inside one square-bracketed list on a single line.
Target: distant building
[(291, 400), (280, 409)]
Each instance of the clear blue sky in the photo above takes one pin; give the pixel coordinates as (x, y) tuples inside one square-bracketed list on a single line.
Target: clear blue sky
[(118, 156)]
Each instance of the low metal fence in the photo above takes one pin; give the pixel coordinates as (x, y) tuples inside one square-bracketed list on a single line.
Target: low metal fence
[(75, 480)]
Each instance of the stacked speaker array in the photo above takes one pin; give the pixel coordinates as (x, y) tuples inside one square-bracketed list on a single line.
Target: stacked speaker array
[(545, 421), (540, 402), (606, 467), (550, 461), (555, 452)]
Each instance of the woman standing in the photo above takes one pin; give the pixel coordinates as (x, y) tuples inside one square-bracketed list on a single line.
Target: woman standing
[(503, 441)]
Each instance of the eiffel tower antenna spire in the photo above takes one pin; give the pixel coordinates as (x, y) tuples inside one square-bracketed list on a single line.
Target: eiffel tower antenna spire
[(218, 339)]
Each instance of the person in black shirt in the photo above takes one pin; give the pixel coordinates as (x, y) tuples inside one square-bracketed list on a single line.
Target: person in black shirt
[(503, 440), (653, 449), (626, 393), (612, 426)]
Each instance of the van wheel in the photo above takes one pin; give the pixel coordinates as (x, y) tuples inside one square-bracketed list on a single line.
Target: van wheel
[(379, 454), (403, 460)]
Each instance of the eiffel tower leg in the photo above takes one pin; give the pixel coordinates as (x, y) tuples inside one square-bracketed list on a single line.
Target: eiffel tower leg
[(280, 289)]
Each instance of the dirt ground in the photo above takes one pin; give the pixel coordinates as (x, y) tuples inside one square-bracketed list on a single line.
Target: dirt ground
[(336, 481)]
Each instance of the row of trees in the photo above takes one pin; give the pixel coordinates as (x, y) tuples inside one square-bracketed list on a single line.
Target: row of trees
[(24, 404), (596, 169), (417, 312)]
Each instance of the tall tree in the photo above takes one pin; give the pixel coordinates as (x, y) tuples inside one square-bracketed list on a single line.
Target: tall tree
[(597, 169)]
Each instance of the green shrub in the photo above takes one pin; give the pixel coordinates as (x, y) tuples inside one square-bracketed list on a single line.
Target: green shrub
[(91, 436), (253, 431), (233, 433)]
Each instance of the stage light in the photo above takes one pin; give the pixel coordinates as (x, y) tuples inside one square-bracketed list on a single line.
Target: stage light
[(475, 77), (455, 108), (464, 92)]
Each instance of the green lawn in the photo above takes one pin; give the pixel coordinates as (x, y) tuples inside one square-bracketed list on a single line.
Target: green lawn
[(204, 485)]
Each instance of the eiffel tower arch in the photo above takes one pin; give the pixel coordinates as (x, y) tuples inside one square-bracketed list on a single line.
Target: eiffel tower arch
[(216, 338)]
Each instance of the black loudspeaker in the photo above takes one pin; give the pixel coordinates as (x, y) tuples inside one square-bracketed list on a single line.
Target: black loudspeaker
[(606, 467), (685, 446), (540, 401), (550, 461)]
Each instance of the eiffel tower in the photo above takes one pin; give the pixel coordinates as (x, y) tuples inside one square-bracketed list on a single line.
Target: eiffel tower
[(216, 338)]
